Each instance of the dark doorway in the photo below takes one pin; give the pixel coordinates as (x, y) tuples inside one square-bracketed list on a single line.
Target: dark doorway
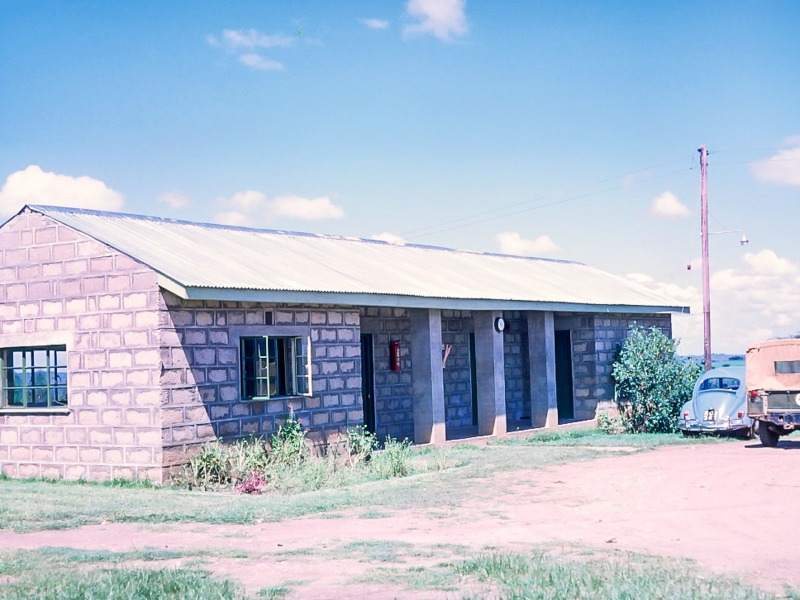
[(564, 399), (368, 381), (473, 378)]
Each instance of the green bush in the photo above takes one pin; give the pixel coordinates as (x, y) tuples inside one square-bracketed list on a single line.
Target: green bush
[(360, 443), (652, 382), (289, 445)]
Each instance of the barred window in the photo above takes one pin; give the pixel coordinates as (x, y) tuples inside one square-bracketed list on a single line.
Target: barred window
[(34, 377)]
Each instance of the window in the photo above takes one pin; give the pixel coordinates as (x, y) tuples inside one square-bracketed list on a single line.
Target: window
[(787, 367), (34, 378), (720, 383), (275, 366)]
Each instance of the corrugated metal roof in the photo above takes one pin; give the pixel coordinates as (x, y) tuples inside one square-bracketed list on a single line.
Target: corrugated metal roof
[(199, 256)]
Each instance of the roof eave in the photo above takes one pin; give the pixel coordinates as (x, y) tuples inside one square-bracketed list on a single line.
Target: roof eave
[(401, 301)]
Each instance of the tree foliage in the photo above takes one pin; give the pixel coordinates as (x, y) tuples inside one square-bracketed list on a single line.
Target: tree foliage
[(653, 383)]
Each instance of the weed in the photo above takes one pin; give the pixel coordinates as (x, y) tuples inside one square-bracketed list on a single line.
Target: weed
[(289, 445), (393, 461), (610, 425)]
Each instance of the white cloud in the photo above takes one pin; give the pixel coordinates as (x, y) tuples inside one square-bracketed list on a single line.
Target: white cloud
[(256, 61), (296, 207), (250, 38), (375, 23), (386, 236), (32, 185), (443, 19), (782, 168), (175, 200), (766, 262), (666, 205), (253, 208), (749, 304), (244, 43), (249, 201), (234, 218), (511, 242)]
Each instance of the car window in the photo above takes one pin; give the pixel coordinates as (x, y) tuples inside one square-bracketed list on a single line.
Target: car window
[(720, 383)]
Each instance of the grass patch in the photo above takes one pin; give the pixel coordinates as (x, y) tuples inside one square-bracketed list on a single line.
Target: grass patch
[(570, 576), (414, 578), (599, 439), (275, 593), (122, 584), (625, 575), (378, 550), (70, 573)]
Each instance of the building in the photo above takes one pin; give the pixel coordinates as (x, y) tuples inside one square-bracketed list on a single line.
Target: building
[(126, 341)]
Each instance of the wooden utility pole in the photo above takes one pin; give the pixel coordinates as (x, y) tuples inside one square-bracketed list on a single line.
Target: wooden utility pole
[(704, 243)]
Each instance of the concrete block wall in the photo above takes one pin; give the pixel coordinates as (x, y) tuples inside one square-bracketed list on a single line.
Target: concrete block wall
[(394, 407), (201, 374), (58, 286), (456, 327), (517, 370), (596, 338)]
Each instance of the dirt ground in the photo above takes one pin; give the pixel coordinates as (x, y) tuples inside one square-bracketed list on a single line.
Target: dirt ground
[(731, 507)]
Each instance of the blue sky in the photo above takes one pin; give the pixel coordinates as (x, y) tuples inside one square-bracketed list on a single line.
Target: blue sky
[(565, 130)]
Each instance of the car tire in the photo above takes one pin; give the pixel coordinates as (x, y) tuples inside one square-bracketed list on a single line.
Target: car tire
[(689, 433), (767, 435)]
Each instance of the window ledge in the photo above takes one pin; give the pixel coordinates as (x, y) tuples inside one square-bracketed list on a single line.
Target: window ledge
[(34, 411), (267, 399)]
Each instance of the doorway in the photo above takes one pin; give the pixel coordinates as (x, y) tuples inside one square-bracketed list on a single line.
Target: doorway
[(368, 381), (564, 399), (473, 379)]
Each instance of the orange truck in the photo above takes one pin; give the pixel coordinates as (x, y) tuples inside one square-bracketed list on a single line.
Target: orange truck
[(773, 388)]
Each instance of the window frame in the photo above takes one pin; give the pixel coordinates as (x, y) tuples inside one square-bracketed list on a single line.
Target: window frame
[(292, 346), (32, 370)]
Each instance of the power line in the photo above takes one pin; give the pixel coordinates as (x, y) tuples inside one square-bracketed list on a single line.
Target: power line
[(508, 210)]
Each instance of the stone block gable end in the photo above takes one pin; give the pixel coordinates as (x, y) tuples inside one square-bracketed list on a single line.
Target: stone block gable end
[(58, 286)]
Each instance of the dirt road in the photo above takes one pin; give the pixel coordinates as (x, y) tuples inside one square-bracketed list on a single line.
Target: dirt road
[(731, 507)]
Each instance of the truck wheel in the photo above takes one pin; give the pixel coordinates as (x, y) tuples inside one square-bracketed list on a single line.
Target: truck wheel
[(767, 435)]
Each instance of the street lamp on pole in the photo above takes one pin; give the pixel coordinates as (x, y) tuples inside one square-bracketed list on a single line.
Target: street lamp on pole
[(704, 256), (704, 233)]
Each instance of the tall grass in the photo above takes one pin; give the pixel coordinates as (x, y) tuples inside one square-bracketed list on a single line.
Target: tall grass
[(286, 464)]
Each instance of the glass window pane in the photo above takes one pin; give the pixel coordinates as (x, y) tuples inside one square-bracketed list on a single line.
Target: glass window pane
[(17, 358), (40, 358), (38, 399), (15, 398), (60, 397)]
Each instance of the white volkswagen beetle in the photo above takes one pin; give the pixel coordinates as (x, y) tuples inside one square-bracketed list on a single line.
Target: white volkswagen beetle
[(718, 404)]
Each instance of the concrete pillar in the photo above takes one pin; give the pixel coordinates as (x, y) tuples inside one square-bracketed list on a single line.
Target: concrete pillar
[(427, 376), (542, 365), (490, 374)]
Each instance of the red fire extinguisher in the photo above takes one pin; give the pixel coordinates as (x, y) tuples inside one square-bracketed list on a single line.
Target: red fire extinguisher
[(394, 356)]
